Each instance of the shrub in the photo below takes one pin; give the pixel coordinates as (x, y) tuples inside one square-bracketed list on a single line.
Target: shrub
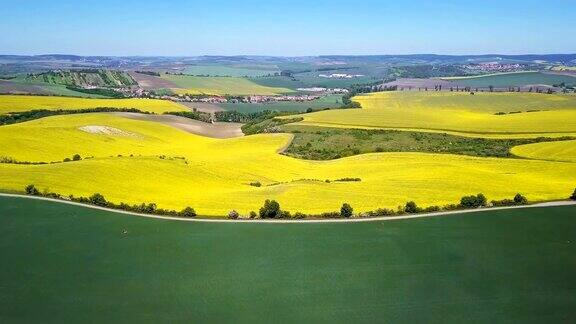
[(31, 190), (411, 207), (299, 215), (97, 199), (66, 160), (76, 157), (520, 199), (253, 214), (431, 209), (233, 214), (187, 212), (381, 212), (346, 210), (573, 197), (473, 201), (271, 209), (503, 202), (256, 184)]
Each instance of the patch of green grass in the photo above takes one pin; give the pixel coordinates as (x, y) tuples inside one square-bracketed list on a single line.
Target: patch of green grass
[(63, 263), (188, 84), (232, 71), (325, 143), (330, 101)]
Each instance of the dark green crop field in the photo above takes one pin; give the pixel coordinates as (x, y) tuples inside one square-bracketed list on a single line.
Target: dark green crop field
[(63, 263)]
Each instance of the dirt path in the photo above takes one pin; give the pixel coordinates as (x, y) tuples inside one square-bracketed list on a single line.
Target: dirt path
[(215, 130), (285, 146), (297, 221)]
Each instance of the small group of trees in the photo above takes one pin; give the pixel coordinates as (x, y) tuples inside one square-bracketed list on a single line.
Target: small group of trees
[(75, 157), (271, 208), (98, 199), (473, 201)]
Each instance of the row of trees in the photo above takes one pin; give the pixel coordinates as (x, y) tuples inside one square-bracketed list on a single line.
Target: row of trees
[(271, 208), (98, 199)]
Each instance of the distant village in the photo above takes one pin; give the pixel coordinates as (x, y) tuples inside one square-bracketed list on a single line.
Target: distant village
[(316, 93)]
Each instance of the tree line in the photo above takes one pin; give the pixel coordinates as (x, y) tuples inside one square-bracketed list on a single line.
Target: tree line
[(271, 208)]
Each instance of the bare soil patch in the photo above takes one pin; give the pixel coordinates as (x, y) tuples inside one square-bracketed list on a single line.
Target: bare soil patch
[(420, 83), (215, 130), (19, 88), (105, 130), (150, 82), (203, 107)]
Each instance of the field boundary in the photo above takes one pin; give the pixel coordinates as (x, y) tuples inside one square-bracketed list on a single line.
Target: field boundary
[(297, 221)]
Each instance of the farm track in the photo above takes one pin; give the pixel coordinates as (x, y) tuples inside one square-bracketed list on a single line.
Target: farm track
[(295, 221)]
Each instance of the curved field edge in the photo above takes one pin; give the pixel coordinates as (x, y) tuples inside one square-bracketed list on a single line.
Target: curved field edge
[(481, 115), (553, 151), (97, 266), (214, 176), (200, 218)]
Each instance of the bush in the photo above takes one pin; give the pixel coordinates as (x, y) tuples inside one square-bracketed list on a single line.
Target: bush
[(503, 202), (76, 157), (381, 212), (432, 209), (187, 212), (520, 199), (346, 210), (66, 160), (299, 215), (271, 209), (98, 199), (31, 190), (573, 197), (473, 201), (411, 207), (256, 184), (233, 214), (253, 214)]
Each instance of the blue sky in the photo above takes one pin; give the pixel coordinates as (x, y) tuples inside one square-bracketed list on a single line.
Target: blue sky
[(290, 28)]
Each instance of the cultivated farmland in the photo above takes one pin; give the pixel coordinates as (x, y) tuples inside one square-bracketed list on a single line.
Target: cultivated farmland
[(13, 103), (194, 170), (98, 266), (516, 79), (481, 115), (187, 84)]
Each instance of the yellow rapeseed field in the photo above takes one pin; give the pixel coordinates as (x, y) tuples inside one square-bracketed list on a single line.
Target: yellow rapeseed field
[(175, 169), (460, 113), (15, 103), (554, 151)]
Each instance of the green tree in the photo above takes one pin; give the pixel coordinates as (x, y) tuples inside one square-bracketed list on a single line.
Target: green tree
[(98, 199), (31, 190), (520, 199), (411, 207), (76, 157), (346, 210), (188, 212), (271, 209), (573, 197)]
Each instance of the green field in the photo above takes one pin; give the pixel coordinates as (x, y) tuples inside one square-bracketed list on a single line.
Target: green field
[(21, 84), (220, 86), (330, 101), (232, 71), (63, 263), (504, 80)]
